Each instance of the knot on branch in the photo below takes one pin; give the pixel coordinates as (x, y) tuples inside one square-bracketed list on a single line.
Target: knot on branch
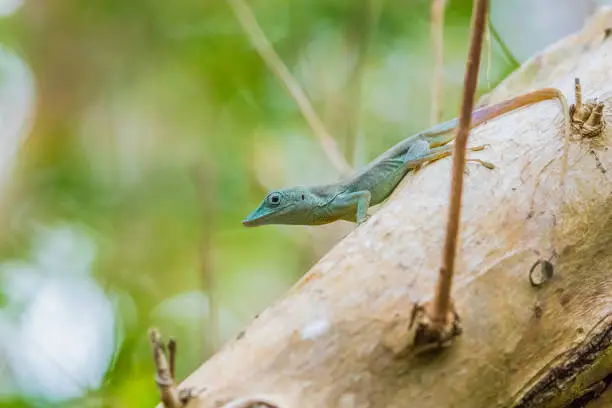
[(587, 119), (541, 275)]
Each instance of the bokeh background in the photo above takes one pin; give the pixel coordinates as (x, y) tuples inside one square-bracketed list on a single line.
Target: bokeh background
[(136, 135)]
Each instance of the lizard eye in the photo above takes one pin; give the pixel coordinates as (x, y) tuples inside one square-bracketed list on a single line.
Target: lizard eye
[(302, 197), (274, 199)]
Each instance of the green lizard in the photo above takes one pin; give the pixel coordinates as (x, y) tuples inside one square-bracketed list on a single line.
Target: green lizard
[(350, 199)]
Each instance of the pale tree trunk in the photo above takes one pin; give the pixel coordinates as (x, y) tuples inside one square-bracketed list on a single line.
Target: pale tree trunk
[(340, 338)]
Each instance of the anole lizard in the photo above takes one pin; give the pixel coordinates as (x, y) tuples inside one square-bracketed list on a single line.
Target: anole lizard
[(349, 199)]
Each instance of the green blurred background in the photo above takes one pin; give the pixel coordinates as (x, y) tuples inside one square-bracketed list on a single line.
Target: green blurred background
[(136, 135)]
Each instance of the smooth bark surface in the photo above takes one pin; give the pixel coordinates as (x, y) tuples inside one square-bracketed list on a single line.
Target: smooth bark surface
[(339, 337)]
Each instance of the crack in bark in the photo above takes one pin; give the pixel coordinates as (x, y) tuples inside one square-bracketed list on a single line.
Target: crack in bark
[(560, 377)]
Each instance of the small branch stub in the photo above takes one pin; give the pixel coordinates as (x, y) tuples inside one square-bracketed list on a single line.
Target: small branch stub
[(587, 119), (172, 357)]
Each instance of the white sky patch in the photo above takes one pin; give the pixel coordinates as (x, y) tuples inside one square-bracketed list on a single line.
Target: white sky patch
[(8, 7), (315, 329), (58, 326), (59, 351)]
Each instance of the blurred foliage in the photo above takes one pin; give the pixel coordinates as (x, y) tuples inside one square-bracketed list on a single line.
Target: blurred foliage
[(156, 129)]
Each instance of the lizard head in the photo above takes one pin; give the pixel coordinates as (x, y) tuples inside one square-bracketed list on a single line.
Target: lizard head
[(286, 206)]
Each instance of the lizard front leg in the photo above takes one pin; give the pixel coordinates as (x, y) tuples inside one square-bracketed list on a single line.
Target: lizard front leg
[(358, 201)]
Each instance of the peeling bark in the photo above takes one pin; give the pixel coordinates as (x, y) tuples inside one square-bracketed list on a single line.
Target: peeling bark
[(339, 337)]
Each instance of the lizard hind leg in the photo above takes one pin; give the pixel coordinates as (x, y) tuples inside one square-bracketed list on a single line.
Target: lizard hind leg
[(414, 156)]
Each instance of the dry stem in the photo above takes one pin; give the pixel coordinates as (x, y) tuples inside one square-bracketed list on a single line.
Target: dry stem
[(442, 300), (437, 36), (172, 357), (205, 179), (489, 51), (249, 24)]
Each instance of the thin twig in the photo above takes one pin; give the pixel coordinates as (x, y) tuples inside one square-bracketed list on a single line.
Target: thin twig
[(205, 179), (489, 51), (249, 24), (172, 357), (168, 392), (361, 32), (437, 37), (505, 50), (442, 300)]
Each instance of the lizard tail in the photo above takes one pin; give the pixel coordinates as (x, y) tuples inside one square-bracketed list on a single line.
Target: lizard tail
[(444, 133)]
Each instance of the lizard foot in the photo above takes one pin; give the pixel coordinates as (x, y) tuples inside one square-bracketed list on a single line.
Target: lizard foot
[(479, 148), (486, 164)]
